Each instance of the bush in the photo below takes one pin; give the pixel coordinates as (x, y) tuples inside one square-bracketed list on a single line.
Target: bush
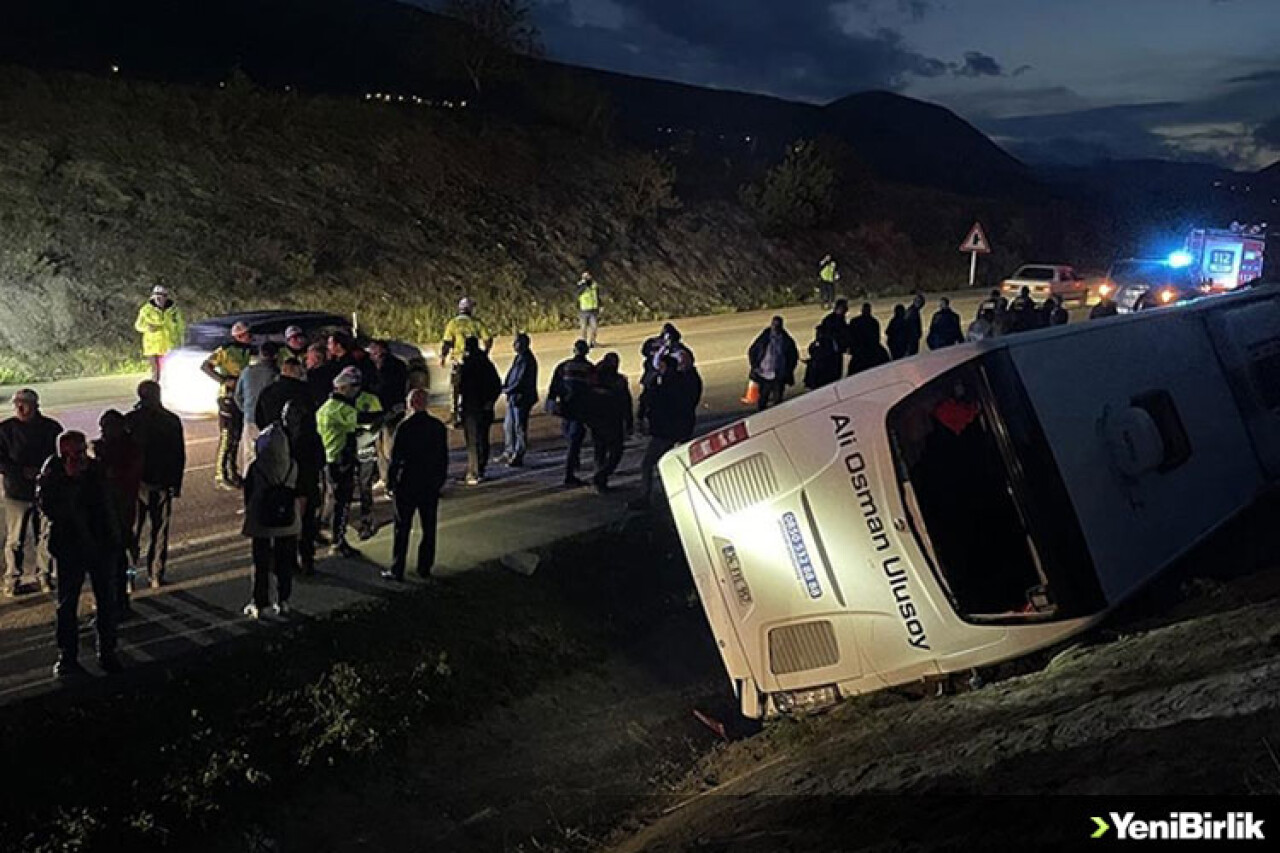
[(798, 194)]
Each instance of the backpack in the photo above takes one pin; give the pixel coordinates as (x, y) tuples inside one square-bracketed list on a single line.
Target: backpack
[(278, 507)]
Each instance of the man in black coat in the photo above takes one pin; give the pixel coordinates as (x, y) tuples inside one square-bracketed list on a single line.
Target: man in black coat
[(478, 390), (291, 394), (26, 440), (773, 357), (609, 418), (865, 349), (913, 328), (419, 468), (566, 398), (672, 404), (944, 328), (158, 432), (84, 533)]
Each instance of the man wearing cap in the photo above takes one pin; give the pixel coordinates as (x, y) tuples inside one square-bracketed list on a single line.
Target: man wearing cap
[(295, 346), (161, 325), (224, 366), (338, 421), (26, 440), (456, 332)]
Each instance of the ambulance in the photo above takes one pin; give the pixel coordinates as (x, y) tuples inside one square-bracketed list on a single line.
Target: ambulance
[(967, 506)]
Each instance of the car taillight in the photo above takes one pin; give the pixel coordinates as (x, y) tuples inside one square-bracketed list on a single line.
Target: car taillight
[(1167, 295), (709, 445)]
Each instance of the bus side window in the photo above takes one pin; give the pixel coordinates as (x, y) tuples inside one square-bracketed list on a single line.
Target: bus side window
[(1177, 446)]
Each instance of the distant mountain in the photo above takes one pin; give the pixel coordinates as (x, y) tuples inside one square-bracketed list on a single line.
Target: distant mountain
[(356, 46)]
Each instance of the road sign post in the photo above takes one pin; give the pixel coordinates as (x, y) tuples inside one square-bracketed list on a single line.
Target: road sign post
[(975, 244)]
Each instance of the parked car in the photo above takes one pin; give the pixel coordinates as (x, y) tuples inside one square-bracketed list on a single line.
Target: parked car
[(1129, 281), (1044, 280), (188, 391)]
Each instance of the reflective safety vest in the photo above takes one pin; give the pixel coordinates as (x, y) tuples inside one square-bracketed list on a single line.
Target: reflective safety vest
[(336, 421), (464, 326), (161, 328), (229, 361), (589, 297), (828, 272)]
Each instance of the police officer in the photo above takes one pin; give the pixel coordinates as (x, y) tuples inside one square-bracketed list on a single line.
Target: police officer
[(828, 275), (338, 422), (161, 325), (295, 346), (456, 332), (369, 417), (224, 366), (588, 307)]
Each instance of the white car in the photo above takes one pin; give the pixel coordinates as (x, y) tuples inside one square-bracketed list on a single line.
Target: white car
[(1044, 280), (973, 504), (186, 390)]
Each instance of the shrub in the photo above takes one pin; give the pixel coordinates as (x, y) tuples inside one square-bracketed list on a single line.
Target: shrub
[(797, 194)]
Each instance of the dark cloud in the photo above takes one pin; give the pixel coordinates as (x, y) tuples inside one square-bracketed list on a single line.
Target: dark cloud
[(978, 65), (1268, 133), (1269, 76), (813, 50), (1084, 136)]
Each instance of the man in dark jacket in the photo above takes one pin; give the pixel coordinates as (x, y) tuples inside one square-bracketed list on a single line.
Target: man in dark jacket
[(824, 364), (865, 349), (944, 328), (419, 467), (1052, 313), (26, 440), (83, 535), (610, 418), (835, 326), (913, 328), (895, 334), (521, 390), (158, 433), (1022, 315), (567, 396), (119, 458), (673, 399), (393, 385), (773, 357), (478, 389)]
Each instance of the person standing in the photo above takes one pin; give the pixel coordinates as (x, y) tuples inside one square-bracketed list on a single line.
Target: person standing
[(1022, 314), (392, 386), (773, 357), (288, 400), (120, 459), (865, 349), (337, 422), (566, 398), (588, 308), (824, 364), (913, 328), (521, 390), (828, 275), (224, 366), (161, 325), (159, 435), (895, 334), (673, 412), (480, 388), (272, 520), (295, 346), (419, 468), (83, 536), (1054, 313), (836, 327), (369, 417), (26, 440), (260, 374), (610, 418), (319, 375), (456, 331), (944, 327)]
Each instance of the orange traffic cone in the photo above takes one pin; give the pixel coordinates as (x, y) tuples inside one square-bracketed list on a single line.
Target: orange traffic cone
[(752, 395)]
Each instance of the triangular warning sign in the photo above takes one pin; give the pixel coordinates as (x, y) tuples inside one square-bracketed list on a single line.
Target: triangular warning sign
[(976, 241)]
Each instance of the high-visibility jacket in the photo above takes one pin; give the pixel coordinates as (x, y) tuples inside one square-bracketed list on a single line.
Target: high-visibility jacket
[(464, 326), (229, 361), (828, 272), (161, 328), (589, 297), (337, 422)]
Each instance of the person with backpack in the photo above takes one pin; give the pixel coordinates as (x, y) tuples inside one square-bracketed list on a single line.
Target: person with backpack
[(272, 519), (566, 398)]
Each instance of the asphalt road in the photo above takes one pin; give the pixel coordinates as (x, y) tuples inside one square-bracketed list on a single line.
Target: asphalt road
[(515, 511)]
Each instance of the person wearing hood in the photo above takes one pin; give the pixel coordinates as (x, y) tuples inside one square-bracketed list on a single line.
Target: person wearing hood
[(161, 325), (773, 357), (271, 514)]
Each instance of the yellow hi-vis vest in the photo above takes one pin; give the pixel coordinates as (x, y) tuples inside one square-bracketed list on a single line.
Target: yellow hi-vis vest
[(828, 272), (589, 297)]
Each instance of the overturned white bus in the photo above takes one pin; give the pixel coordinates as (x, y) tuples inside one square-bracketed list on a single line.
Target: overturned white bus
[(970, 505)]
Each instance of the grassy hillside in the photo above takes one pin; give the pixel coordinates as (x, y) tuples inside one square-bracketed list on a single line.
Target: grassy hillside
[(240, 198)]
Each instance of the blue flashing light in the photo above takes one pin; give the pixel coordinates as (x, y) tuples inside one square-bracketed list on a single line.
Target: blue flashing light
[(1181, 258)]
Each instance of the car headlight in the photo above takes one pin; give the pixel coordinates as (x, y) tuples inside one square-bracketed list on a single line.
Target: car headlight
[(1105, 290), (1167, 295)]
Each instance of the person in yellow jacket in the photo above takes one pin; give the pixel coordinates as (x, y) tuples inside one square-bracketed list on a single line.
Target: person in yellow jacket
[(828, 275), (588, 308), (454, 341), (161, 325), (338, 422)]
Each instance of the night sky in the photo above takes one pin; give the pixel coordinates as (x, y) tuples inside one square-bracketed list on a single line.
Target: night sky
[(1051, 80)]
